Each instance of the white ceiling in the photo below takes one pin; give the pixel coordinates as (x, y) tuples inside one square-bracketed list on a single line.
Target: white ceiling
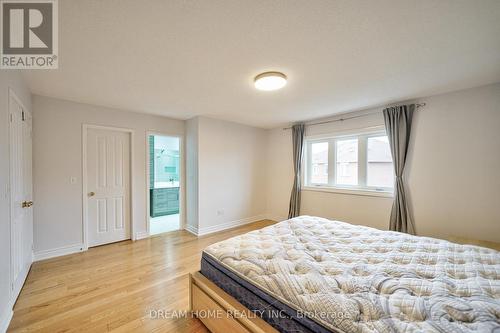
[(187, 58)]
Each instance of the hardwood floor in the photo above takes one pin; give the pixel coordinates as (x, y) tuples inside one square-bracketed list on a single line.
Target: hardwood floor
[(114, 287), (461, 240)]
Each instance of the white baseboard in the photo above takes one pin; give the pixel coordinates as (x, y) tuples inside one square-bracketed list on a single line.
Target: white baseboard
[(227, 225), (141, 235), (57, 252), (233, 224), (191, 229), (5, 320), (276, 218)]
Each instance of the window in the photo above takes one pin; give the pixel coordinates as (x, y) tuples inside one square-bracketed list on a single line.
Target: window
[(355, 162), (347, 162), (379, 170), (319, 163)]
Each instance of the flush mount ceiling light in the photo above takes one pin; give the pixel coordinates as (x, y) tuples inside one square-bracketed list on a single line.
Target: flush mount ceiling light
[(270, 81)]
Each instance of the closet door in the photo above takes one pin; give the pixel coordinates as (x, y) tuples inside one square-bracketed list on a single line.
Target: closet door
[(21, 190)]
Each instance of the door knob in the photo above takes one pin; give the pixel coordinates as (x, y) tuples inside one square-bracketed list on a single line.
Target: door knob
[(27, 204), (91, 194)]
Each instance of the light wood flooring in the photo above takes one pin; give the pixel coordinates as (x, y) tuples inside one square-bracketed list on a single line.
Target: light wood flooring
[(114, 287)]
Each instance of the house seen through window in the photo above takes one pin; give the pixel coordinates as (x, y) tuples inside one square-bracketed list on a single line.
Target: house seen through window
[(361, 161)]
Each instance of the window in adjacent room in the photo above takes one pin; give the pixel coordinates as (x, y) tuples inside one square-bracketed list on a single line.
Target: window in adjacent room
[(356, 162)]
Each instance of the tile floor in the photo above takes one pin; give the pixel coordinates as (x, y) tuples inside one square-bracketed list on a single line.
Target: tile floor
[(161, 224)]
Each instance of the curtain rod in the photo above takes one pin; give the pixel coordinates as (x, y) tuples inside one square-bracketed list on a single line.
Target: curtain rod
[(346, 118)]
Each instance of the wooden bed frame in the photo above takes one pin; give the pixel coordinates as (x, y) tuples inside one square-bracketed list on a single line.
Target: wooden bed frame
[(219, 311)]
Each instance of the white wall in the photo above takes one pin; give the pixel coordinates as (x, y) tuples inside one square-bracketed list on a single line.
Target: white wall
[(8, 79), (453, 167), (231, 173), (57, 149), (192, 175)]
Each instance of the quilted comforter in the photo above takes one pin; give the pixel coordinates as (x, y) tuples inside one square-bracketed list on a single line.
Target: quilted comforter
[(352, 278)]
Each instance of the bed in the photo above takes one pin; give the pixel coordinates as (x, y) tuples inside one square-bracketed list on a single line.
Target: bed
[(310, 274)]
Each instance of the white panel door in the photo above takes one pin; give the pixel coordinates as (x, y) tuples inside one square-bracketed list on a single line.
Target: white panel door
[(28, 190), (108, 186), (21, 190)]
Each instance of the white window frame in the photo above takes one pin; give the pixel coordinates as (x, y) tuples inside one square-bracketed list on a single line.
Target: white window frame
[(362, 188)]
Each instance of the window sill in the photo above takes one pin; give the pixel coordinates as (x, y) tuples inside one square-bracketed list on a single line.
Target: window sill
[(370, 193)]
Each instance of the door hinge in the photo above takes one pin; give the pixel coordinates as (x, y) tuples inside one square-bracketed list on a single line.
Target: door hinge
[(22, 116), (11, 117)]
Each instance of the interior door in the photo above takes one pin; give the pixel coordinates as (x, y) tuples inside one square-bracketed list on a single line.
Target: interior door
[(108, 186), (21, 190)]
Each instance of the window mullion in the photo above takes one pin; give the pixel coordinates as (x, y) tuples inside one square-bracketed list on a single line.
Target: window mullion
[(331, 162), (362, 160)]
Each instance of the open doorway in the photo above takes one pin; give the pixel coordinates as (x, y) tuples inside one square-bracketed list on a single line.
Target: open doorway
[(164, 163)]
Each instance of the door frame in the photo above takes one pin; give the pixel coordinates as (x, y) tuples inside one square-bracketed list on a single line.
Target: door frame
[(85, 224), (13, 289), (182, 181)]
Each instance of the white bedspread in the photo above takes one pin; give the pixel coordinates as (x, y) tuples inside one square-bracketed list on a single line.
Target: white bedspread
[(359, 279)]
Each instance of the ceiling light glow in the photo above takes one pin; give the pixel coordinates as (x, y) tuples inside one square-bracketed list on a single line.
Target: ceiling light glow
[(269, 81)]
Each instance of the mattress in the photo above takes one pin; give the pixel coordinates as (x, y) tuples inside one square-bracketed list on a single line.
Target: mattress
[(347, 278), (276, 313)]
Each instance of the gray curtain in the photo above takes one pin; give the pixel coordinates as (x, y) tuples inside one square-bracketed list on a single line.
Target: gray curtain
[(398, 126), (298, 143)]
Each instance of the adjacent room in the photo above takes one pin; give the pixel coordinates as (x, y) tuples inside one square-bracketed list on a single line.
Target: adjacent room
[(164, 183), (250, 166)]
